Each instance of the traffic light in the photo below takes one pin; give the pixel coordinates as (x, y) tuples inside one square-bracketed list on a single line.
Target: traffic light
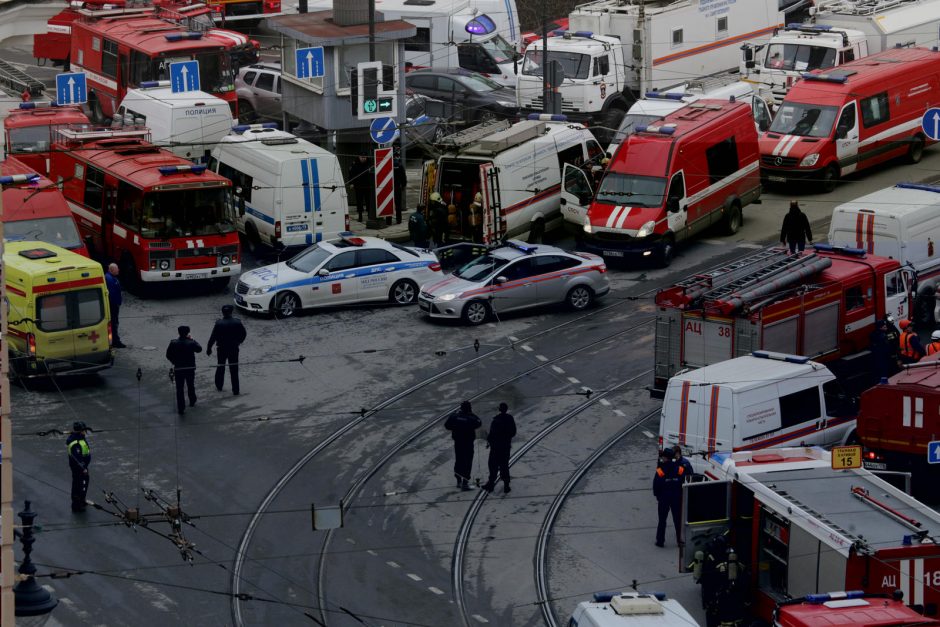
[(370, 90), (373, 90)]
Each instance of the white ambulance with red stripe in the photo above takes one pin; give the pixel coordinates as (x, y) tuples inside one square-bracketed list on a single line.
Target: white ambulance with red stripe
[(850, 118)]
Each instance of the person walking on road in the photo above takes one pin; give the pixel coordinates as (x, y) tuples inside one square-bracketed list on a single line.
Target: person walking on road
[(182, 354), (418, 228), (499, 439), (911, 349), (115, 298), (667, 488), (795, 231), (360, 176), (228, 333), (79, 460), (463, 424)]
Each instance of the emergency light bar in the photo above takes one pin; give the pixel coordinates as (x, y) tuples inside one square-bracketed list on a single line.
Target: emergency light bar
[(668, 96), (829, 248), (19, 179), (182, 36), (921, 187), (793, 359), (351, 239), (666, 129), (241, 128), (38, 105), (607, 597), (819, 599), (798, 26), (521, 246), (177, 169), (828, 78), (548, 117), (152, 84)]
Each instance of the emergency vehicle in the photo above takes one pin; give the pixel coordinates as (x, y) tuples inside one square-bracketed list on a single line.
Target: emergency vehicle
[(784, 524), (29, 131), (288, 192), (631, 609), (855, 608), (59, 320), (853, 117), (517, 171), (885, 23), (160, 217), (901, 222), (35, 209), (821, 304), (670, 180)]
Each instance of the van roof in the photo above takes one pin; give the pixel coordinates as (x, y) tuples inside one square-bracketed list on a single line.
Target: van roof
[(557, 134), (748, 373), (899, 201), (274, 145), (185, 100), (63, 259)]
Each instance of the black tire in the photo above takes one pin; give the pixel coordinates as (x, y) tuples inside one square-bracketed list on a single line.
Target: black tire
[(733, 219), (475, 313), (667, 252), (252, 237), (286, 305), (537, 231), (916, 151), (579, 297), (246, 113), (829, 180), (403, 292), (924, 304)]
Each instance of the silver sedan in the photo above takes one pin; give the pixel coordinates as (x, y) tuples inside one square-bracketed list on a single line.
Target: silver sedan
[(516, 276)]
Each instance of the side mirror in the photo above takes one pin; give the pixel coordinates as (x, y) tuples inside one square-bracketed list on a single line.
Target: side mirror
[(323, 272), (500, 280)]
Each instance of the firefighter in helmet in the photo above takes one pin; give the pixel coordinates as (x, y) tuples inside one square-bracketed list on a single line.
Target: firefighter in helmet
[(934, 346), (911, 350)]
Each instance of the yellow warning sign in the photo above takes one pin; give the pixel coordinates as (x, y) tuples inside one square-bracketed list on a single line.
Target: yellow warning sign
[(845, 457)]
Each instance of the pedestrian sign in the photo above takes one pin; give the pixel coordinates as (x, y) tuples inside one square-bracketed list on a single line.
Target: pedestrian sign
[(184, 76), (71, 89), (931, 125), (933, 452), (846, 457), (310, 62), (383, 130)]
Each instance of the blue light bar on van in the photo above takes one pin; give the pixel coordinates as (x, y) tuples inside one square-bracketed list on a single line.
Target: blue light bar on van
[(177, 169), (583, 33), (548, 117), (828, 78), (241, 128), (666, 95), (665, 129), (559, 33), (920, 186), (819, 599), (152, 84), (798, 26), (182, 36), (38, 105), (846, 250), (793, 359), (19, 179)]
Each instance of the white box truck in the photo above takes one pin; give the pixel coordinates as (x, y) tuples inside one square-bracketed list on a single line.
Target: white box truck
[(631, 609)]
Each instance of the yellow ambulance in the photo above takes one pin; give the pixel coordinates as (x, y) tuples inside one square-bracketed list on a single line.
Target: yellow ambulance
[(58, 320)]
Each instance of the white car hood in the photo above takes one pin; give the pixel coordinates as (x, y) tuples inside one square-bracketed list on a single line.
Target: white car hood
[(273, 276)]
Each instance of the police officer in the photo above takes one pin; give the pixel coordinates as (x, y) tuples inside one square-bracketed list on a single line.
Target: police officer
[(667, 488), (79, 459), (418, 228), (361, 179), (499, 439), (934, 345), (182, 354), (115, 298), (463, 424), (911, 350), (228, 333)]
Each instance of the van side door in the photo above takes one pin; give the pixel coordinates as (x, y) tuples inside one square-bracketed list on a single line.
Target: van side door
[(897, 303), (847, 139), (576, 195), (677, 205)]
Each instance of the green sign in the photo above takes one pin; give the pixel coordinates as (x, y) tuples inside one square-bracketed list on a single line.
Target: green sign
[(369, 105)]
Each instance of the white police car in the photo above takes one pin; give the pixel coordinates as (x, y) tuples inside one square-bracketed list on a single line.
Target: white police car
[(348, 270)]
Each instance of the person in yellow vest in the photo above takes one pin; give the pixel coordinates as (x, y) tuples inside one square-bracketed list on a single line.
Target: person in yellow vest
[(911, 350), (79, 460), (934, 346)]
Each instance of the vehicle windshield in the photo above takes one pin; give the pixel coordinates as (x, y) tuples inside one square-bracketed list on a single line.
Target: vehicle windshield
[(28, 139), (799, 57), (500, 50), (309, 259), (479, 84), (184, 212), (632, 190), (215, 69), (60, 231), (576, 65), (629, 123), (805, 120), (480, 268)]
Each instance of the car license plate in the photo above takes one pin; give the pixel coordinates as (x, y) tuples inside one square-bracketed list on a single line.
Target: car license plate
[(296, 227), (198, 275), (777, 179), (875, 466), (239, 299), (613, 253)]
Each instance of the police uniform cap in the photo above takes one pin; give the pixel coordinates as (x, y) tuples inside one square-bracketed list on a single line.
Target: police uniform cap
[(79, 426)]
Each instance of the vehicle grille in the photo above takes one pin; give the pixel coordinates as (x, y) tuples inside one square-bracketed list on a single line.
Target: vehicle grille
[(241, 288), (779, 162), (427, 296), (567, 106)]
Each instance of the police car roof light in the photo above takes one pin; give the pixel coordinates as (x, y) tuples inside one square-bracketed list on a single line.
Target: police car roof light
[(152, 84), (183, 35), (18, 179), (241, 128), (828, 78), (923, 188), (176, 169), (584, 33), (349, 238), (793, 359), (521, 246), (548, 117)]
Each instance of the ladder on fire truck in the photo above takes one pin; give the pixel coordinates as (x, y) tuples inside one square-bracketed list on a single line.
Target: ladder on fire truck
[(16, 82), (858, 7)]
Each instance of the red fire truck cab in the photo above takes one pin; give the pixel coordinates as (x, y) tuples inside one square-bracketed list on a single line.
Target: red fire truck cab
[(29, 131), (159, 216), (849, 609)]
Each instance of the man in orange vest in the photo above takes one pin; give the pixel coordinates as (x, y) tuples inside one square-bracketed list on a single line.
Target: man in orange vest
[(911, 350), (667, 488), (934, 346)]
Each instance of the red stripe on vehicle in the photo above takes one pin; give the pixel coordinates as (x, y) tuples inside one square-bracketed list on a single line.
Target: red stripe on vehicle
[(859, 223), (870, 234), (554, 189), (794, 435), (717, 44), (713, 418), (56, 287), (684, 411), (16, 291)]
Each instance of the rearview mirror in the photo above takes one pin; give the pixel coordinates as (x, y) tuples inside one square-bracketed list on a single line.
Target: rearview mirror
[(500, 280), (323, 272)]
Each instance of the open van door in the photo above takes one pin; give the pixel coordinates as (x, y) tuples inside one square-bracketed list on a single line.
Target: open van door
[(428, 179), (494, 222), (706, 514), (576, 195)]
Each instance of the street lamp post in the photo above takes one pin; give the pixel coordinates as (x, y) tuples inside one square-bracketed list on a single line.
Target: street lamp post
[(31, 598)]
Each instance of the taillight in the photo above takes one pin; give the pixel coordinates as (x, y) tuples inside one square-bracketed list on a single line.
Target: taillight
[(660, 442), (273, 5), (110, 334), (31, 344), (277, 229), (434, 267), (601, 268)]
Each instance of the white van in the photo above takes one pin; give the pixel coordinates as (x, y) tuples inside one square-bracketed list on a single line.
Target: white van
[(901, 222), (288, 191), (189, 124), (631, 609), (766, 400)]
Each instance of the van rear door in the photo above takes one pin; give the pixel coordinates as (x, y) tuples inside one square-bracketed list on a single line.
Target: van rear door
[(54, 337), (88, 317)]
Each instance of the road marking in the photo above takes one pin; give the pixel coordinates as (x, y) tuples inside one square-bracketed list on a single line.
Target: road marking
[(558, 370), (435, 590), (414, 576), (619, 413), (605, 402), (480, 618), (393, 564), (372, 553), (527, 348), (648, 434), (513, 338), (350, 540), (541, 357), (573, 380)]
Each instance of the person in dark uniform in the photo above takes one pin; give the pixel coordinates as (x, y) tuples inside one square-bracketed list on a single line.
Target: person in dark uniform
[(228, 333), (911, 349), (401, 181), (182, 354), (795, 231), (463, 424), (418, 228), (684, 462), (360, 177), (79, 460), (437, 216), (115, 298), (667, 488), (499, 438)]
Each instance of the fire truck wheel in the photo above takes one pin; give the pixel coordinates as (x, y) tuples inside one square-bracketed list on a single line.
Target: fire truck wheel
[(667, 252), (286, 305), (829, 180), (733, 219), (246, 112), (537, 231), (475, 312), (579, 297), (916, 150), (404, 292)]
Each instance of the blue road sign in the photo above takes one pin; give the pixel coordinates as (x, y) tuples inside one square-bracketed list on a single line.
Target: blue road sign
[(71, 88), (310, 62), (933, 452), (383, 130), (184, 76), (931, 124)]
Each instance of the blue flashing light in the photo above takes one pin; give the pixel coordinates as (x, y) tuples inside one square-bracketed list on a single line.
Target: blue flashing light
[(828, 78), (19, 179), (921, 187), (38, 105), (548, 117), (481, 25), (667, 129), (559, 33), (828, 248), (604, 597), (152, 84), (798, 26), (521, 246), (241, 128), (182, 36), (166, 170), (846, 250), (583, 33), (819, 599), (667, 95)]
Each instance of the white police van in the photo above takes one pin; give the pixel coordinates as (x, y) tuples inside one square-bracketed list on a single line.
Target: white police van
[(288, 191), (189, 124)]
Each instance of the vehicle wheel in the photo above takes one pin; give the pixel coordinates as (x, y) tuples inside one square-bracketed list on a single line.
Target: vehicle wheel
[(579, 297), (923, 309), (916, 151), (404, 292), (733, 219), (252, 238), (537, 231), (286, 305), (476, 312), (246, 113), (830, 179), (667, 252)]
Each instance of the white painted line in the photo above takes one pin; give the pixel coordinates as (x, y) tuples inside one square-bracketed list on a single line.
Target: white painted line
[(372, 553), (558, 370), (350, 540), (648, 434), (393, 564), (749, 245), (480, 618), (414, 576), (605, 402), (619, 413), (435, 590), (513, 338), (527, 348), (573, 380), (541, 357)]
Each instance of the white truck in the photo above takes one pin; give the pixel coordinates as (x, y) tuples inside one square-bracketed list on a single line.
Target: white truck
[(631, 609), (616, 50)]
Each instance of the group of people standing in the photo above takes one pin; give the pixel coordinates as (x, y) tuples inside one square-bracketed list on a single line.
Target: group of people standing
[(463, 425)]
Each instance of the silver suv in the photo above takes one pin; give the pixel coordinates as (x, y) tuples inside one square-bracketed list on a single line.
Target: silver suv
[(258, 88)]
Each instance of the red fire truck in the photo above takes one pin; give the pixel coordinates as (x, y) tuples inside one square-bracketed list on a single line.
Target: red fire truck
[(852, 609), (768, 527), (35, 209), (821, 304), (29, 131), (123, 48), (159, 216)]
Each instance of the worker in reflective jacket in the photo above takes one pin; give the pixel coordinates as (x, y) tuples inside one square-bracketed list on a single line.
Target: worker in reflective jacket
[(79, 460), (911, 350), (934, 346), (667, 488)]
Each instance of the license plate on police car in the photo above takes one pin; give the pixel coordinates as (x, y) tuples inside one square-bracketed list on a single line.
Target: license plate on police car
[(198, 275), (239, 299), (613, 253), (777, 179), (876, 466)]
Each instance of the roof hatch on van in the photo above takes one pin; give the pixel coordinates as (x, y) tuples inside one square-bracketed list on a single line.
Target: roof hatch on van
[(37, 253)]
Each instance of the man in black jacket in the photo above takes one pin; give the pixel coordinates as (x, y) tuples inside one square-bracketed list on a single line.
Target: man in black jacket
[(182, 354), (79, 460), (502, 431), (361, 177), (463, 424), (228, 333), (795, 230)]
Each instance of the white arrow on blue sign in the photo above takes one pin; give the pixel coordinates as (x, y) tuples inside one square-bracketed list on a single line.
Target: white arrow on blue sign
[(383, 130), (931, 124), (309, 62), (184, 76), (933, 452), (71, 88)]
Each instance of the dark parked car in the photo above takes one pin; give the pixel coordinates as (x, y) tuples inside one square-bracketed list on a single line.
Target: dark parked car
[(473, 97), (425, 122)]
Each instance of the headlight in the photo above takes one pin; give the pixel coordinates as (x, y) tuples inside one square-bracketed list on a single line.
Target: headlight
[(225, 260), (165, 265), (809, 160), (506, 103), (448, 297), (258, 291), (587, 227), (647, 229)]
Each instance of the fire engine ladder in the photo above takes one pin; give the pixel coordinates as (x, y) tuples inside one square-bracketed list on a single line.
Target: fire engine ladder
[(15, 81), (771, 270), (474, 133), (817, 515), (700, 284)]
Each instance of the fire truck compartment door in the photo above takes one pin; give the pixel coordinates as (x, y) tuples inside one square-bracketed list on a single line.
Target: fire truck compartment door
[(705, 341), (706, 514)]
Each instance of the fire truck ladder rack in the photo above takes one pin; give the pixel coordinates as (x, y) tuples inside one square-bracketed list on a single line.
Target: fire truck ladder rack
[(911, 523), (859, 7), (771, 272), (739, 271), (15, 82), (474, 133), (818, 515)]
